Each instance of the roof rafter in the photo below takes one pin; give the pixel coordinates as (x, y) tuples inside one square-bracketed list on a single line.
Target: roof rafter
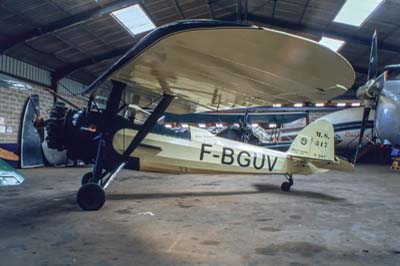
[(66, 22), (239, 10), (209, 8), (178, 9)]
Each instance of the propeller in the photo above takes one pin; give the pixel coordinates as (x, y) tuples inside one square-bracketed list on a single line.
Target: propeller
[(244, 128), (368, 91), (365, 117)]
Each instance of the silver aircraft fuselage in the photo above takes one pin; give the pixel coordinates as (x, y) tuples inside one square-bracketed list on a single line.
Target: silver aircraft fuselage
[(387, 114)]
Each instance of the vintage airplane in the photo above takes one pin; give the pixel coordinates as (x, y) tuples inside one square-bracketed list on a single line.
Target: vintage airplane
[(382, 94), (212, 65)]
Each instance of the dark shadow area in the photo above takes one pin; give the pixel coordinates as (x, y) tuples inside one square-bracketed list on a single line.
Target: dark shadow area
[(25, 217), (31, 213), (272, 189), (261, 188)]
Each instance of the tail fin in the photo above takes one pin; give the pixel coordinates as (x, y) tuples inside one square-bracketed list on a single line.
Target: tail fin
[(316, 141)]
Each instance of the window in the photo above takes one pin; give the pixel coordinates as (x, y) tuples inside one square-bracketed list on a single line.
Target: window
[(393, 74), (355, 12), (133, 19), (332, 44)]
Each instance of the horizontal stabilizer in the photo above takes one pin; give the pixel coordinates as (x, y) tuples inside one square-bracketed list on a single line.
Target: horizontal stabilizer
[(338, 164)]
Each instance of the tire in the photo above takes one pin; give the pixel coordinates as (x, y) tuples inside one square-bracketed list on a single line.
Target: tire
[(86, 178), (285, 186), (91, 197)]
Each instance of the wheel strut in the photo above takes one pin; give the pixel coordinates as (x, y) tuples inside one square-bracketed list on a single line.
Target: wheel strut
[(285, 186)]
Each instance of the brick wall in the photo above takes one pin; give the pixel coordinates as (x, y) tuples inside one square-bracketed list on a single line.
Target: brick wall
[(12, 102)]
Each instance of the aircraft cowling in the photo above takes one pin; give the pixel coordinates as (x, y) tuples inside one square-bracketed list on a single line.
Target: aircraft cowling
[(79, 132), (67, 129), (370, 90)]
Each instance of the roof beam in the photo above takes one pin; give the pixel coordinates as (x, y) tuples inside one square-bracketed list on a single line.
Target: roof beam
[(210, 10), (239, 10), (65, 23), (274, 8), (318, 31), (304, 11), (178, 9), (246, 10)]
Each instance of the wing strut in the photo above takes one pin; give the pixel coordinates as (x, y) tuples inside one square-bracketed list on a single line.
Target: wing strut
[(108, 116), (91, 196), (148, 124)]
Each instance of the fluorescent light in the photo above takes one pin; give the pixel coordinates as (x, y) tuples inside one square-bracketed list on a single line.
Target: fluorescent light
[(341, 104), (133, 19), (355, 104), (298, 105), (277, 105), (168, 125), (184, 125), (332, 44), (319, 104), (219, 125), (355, 12), (254, 124), (273, 125), (202, 125), (236, 124)]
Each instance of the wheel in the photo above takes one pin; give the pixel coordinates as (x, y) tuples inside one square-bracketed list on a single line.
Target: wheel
[(91, 197), (86, 178), (285, 186)]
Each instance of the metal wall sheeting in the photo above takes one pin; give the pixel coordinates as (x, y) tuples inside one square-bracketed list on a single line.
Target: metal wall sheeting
[(17, 68), (24, 70)]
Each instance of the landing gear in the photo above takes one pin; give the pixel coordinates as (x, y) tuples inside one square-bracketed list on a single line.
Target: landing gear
[(91, 197), (86, 178), (285, 186)]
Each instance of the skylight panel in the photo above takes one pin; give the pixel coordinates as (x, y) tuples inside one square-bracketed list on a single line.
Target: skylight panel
[(134, 19), (332, 44), (355, 12)]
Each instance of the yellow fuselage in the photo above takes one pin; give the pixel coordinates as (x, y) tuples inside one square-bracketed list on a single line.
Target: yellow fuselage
[(205, 153)]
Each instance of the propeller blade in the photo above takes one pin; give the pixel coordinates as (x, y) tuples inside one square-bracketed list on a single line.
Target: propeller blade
[(243, 126), (246, 117), (365, 117), (35, 103), (373, 58)]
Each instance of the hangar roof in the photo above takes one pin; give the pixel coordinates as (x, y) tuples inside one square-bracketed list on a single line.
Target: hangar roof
[(81, 38)]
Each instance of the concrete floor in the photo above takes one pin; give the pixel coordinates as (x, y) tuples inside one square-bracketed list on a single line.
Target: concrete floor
[(157, 219)]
